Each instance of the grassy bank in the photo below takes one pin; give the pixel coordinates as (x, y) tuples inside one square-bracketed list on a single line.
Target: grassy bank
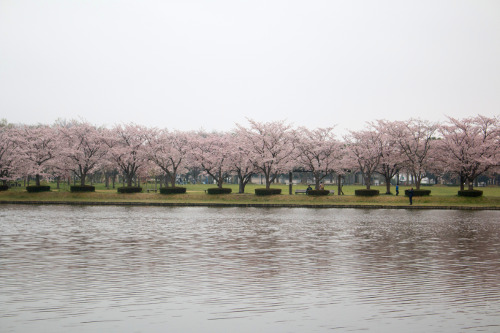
[(440, 196)]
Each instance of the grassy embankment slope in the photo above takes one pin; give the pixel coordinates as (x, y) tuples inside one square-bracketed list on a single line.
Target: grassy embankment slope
[(443, 196)]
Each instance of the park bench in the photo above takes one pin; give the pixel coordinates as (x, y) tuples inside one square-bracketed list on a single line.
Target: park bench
[(305, 191), (151, 190)]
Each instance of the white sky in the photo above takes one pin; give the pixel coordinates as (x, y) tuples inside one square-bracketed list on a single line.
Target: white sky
[(210, 64)]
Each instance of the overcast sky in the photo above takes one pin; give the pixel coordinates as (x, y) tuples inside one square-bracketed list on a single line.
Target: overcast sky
[(210, 64)]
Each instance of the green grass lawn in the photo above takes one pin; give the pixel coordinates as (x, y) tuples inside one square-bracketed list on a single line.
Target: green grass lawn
[(440, 196)]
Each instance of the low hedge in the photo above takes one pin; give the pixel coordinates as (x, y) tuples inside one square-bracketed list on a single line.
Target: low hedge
[(318, 192), (4, 187), (132, 189), (366, 193), (470, 193), (419, 193), (172, 190), (217, 190), (264, 191), (85, 188), (41, 188)]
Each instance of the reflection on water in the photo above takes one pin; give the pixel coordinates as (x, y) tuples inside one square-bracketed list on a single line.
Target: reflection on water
[(136, 269)]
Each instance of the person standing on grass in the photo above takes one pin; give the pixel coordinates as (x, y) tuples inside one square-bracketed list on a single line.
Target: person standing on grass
[(397, 190), (410, 195)]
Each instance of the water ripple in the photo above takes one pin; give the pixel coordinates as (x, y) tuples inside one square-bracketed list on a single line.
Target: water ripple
[(128, 269)]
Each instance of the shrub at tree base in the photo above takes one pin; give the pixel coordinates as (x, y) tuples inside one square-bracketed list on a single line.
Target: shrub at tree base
[(318, 192), (131, 189), (366, 193), (470, 193), (264, 191), (172, 190), (86, 188), (4, 187), (419, 193), (33, 189), (217, 190)]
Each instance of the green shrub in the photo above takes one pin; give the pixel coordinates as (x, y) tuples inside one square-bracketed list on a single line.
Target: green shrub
[(318, 192), (4, 187), (172, 190), (78, 188), (131, 189), (41, 188), (419, 193), (470, 193), (217, 190), (264, 191), (366, 193)]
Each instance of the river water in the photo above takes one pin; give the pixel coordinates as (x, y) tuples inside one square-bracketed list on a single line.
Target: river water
[(162, 269)]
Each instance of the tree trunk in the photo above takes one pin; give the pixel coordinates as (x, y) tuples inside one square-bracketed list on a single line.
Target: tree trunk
[(368, 181), (471, 185), (37, 180), (339, 184), (173, 176), (316, 180), (418, 181), (82, 179), (387, 186)]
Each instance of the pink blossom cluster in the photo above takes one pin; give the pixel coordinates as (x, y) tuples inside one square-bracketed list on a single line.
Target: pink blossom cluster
[(465, 148)]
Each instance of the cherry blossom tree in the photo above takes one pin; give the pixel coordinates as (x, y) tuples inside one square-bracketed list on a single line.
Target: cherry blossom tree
[(35, 148), (470, 147), (239, 159), (271, 147), (319, 152), (211, 151), (391, 158), (169, 151), (6, 152), (364, 151), (416, 139), (83, 148), (127, 149)]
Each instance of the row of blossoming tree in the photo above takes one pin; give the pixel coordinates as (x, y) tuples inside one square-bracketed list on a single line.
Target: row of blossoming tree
[(465, 148)]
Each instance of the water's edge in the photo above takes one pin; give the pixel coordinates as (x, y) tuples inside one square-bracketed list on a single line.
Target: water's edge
[(262, 205)]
